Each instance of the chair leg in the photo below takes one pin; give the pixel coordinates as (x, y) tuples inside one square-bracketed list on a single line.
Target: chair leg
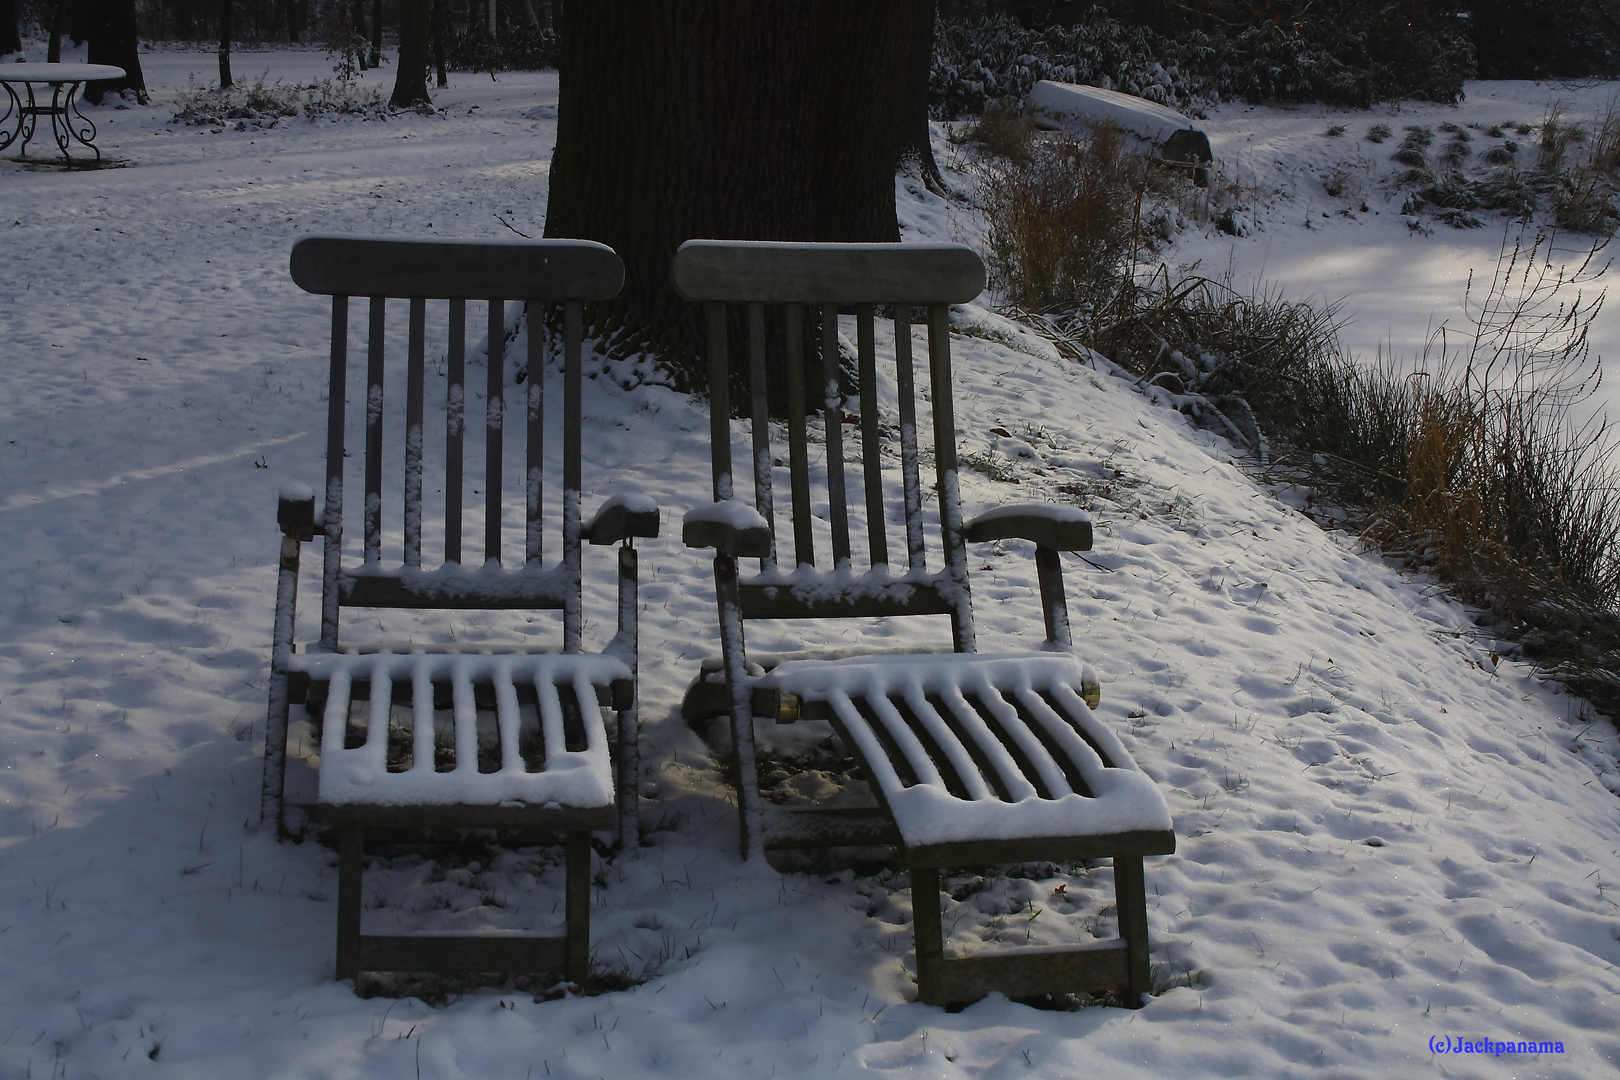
[(577, 907), (275, 725), (750, 810), (351, 852), (928, 936), (1130, 896), (629, 774)]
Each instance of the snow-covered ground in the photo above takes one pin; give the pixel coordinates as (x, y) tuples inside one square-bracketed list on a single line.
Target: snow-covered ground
[(1300, 704)]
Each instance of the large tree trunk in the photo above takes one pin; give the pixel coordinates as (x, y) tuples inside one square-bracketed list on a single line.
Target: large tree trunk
[(10, 39), (726, 119), (110, 28), (916, 145), (440, 16), (375, 59), (225, 9), (415, 33)]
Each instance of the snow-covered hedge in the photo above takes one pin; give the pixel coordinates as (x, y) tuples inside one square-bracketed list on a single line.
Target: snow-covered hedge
[(980, 60)]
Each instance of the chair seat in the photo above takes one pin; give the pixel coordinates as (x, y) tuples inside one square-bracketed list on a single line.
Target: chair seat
[(564, 767), (992, 758)]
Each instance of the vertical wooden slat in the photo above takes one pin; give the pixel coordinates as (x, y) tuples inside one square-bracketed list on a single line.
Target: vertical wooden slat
[(455, 408), (714, 314), (415, 375), (804, 550), (573, 331), (833, 413), (950, 500), (337, 389), (534, 319), (906, 387), (494, 427), (871, 437), (374, 433), (763, 501)]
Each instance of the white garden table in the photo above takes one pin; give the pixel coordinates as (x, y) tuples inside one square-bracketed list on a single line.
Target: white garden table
[(68, 124)]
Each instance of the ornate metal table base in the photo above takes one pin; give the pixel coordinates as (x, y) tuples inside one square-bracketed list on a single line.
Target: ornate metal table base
[(68, 124)]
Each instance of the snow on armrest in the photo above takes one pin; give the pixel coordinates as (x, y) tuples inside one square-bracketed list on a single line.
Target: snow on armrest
[(622, 517), (730, 527), (295, 511), (1062, 528)]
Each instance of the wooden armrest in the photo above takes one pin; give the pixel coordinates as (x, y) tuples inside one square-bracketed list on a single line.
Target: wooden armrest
[(622, 517), (730, 527), (1061, 528), (295, 511)]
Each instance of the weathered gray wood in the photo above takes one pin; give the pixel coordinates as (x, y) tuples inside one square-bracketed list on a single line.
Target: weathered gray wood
[(452, 590), (374, 433), (747, 543), (1035, 849), (734, 653), (776, 273), (505, 270), (415, 377), (950, 498), (451, 953), (573, 399), (911, 481), (877, 545), (1130, 895), (1054, 605), (455, 413), (804, 550), (563, 819), (1052, 529), (494, 429), (778, 602), (617, 522), (928, 935), (534, 473), (714, 316), (832, 412), (1027, 972), (332, 501), (351, 845), (760, 422), (577, 907)]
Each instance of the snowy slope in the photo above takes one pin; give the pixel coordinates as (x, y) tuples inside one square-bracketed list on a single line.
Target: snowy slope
[(1385, 836)]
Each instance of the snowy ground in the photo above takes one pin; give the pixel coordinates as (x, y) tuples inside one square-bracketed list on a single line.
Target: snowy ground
[(1300, 704)]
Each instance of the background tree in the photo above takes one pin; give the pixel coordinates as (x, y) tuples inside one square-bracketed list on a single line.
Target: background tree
[(415, 35), (225, 9), (109, 27), (726, 119), (10, 39)]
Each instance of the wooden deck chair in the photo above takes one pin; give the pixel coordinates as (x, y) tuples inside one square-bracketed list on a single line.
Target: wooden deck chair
[(973, 759), (467, 734)]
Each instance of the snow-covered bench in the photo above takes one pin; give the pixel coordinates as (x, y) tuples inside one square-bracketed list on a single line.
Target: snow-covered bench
[(455, 735), (972, 759)]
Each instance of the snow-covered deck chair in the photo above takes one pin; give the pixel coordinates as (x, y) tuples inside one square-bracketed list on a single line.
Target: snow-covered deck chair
[(454, 735), (974, 759)]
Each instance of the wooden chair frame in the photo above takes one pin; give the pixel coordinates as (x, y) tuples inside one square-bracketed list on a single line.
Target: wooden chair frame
[(575, 791), (1001, 740)]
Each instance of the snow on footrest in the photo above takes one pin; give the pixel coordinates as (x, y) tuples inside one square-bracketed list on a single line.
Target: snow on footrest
[(1046, 767), (570, 778)]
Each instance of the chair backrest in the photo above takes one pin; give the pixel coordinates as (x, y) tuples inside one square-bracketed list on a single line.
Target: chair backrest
[(537, 272), (812, 282)]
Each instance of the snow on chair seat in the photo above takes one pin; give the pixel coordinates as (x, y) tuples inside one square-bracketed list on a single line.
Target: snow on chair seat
[(557, 685), (997, 754)]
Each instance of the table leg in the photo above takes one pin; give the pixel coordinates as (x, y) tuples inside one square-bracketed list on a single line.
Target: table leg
[(85, 133), (9, 132)]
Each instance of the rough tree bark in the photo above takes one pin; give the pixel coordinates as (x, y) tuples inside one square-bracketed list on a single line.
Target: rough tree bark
[(726, 119), (109, 26), (415, 34), (375, 59), (10, 39), (225, 9)]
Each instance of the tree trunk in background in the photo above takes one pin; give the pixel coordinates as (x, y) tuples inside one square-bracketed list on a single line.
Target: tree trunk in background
[(916, 146), (725, 119), (59, 25), (225, 8), (410, 76), (110, 29), (357, 30), (10, 39), (376, 34), (440, 15)]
